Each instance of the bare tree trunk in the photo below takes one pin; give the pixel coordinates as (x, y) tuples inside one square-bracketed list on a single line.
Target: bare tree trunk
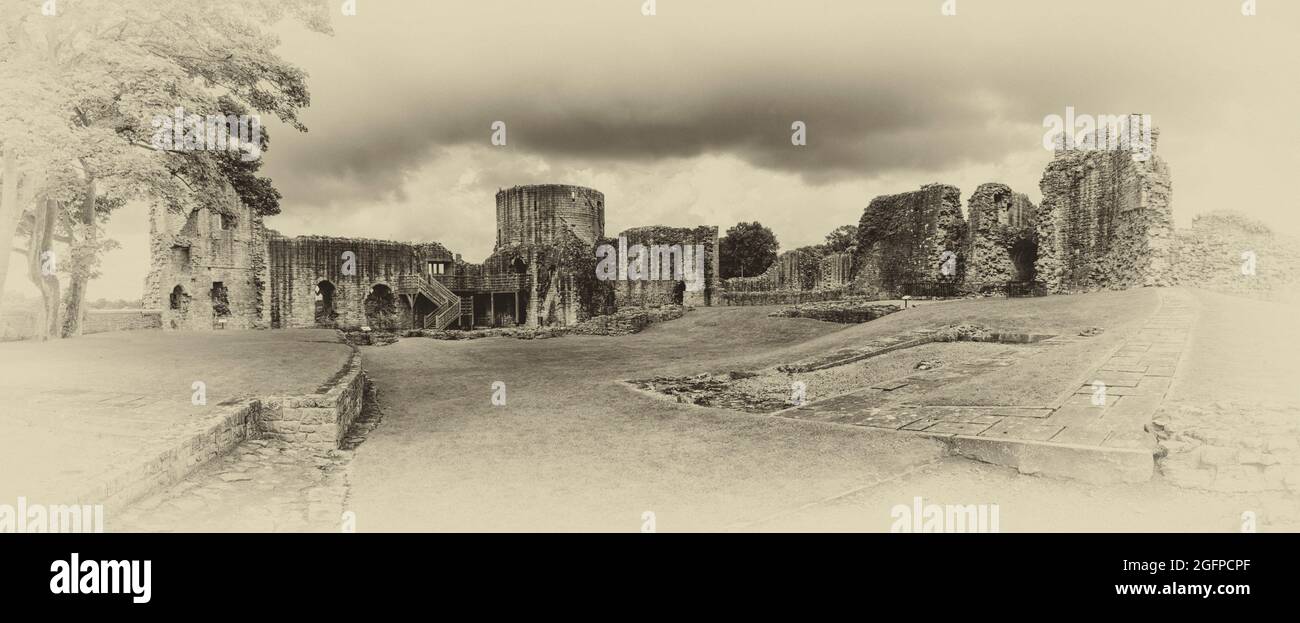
[(84, 255), (40, 268), (10, 211)]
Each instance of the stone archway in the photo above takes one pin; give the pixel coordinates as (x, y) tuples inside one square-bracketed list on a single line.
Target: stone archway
[(381, 308), (178, 304), (1024, 254), (326, 314)]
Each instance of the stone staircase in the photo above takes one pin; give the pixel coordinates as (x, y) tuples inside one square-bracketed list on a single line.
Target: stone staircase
[(447, 303)]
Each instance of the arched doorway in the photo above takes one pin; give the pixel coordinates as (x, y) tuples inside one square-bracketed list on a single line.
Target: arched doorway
[(178, 303), (679, 292), (1024, 253), (381, 308), (325, 313)]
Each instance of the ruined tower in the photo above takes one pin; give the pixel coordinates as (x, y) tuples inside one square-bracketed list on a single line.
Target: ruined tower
[(1003, 245), (208, 266), (536, 214), (1106, 219)]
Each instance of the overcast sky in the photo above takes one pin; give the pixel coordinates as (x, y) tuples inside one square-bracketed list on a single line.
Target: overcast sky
[(684, 118)]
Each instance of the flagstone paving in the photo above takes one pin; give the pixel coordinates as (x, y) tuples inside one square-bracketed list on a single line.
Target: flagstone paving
[(1112, 409)]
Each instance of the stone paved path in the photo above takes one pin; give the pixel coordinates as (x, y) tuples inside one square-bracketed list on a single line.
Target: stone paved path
[(1127, 389), (72, 412), (263, 485)]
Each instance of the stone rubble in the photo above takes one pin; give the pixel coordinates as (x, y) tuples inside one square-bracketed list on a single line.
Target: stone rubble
[(847, 311)]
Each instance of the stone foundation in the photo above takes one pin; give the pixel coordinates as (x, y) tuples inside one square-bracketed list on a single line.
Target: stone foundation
[(322, 419)]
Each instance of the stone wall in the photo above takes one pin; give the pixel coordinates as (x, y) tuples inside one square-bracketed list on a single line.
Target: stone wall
[(627, 321), (902, 239), (208, 266), (300, 265), (218, 434), (110, 320), (848, 311), (1003, 238), (535, 214), (780, 297), (799, 269), (1105, 220), (835, 271), (656, 292), (319, 420), (1209, 255)]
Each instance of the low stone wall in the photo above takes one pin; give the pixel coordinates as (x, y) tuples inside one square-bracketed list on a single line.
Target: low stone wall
[(627, 321), (521, 333), (847, 312), (780, 297), (109, 320), (322, 419), (216, 436)]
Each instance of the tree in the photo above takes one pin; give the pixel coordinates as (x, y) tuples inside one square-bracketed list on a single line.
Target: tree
[(747, 250), (841, 239), (83, 91)]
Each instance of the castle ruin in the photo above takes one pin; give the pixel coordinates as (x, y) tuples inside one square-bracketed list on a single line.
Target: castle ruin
[(220, 267), (1105, 222)]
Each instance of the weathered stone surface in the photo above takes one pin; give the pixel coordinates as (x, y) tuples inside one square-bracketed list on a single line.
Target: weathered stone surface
[(851, 311), (220, 267), (657, 292), (1089, 464), (1003, 238), (208, 267), (903, 238), (1105, 220), (1209, 255)]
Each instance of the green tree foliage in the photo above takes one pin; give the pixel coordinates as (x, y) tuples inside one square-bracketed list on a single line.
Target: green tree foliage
[(747, 250), (83, 92), (841, 239)]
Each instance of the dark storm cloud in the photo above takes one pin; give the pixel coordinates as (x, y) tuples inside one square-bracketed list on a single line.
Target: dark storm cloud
[(883, 87)]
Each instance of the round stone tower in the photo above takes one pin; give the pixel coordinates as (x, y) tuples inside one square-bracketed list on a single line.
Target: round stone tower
[(537, 213)]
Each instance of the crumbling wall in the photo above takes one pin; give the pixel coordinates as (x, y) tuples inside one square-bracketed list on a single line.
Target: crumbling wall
[(657, 292), (216, 254), (799, 269), (1003, 238), (903, 239), (835, 271), (1229, 252), (299, 264), (1105, 220)]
